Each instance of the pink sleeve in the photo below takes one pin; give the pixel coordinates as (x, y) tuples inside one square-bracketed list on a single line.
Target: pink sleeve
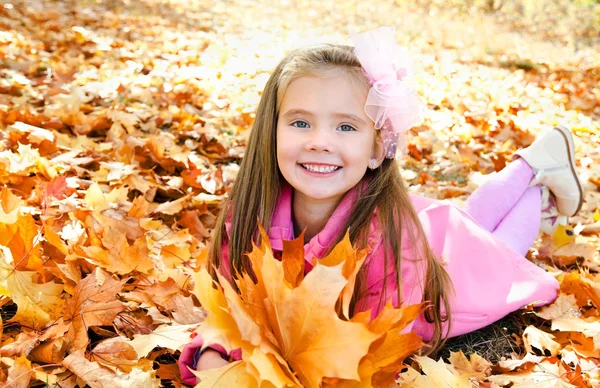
[(188, 358)]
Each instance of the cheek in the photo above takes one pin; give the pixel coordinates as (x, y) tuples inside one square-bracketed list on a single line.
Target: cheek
[(284, 148), (286, 143)]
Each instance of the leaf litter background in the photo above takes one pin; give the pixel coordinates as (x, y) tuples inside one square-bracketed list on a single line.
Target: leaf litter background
[(123, 124)]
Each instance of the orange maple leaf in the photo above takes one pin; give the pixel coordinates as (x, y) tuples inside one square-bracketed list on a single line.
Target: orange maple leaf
[(93, 303), (288, 327)]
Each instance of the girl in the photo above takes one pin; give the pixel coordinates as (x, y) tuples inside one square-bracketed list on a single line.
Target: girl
[(320, 158)]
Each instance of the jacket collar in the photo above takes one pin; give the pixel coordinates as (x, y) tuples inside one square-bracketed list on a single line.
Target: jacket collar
[(282, 224)]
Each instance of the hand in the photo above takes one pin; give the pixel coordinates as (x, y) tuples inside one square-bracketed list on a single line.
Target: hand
[(208, 360)]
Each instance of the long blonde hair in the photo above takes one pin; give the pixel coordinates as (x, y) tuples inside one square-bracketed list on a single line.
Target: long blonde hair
[(257, 187)]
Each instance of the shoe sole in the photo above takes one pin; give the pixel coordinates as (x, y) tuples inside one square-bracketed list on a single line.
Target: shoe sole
[(568, 138)]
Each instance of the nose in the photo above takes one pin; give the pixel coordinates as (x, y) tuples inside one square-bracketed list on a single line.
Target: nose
[(320, 140)]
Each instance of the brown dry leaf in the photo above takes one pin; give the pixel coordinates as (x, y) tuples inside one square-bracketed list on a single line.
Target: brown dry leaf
[(115, 355), (97, 376), (93, 304), (564, 305), (590, 327), (169, 372), (476, 366), (22, 345), (547, 373), (19, 374), (571, 253), (189, 219), (185, 312), (53, 343), (534, 337)]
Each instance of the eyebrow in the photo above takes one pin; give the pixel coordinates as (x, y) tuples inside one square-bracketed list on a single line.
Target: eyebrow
[(348, 116)]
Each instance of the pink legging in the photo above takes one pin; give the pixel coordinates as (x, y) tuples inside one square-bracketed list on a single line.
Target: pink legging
[(506, 206)]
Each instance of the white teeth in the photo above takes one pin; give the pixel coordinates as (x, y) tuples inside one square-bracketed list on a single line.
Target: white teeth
[(321, 169)]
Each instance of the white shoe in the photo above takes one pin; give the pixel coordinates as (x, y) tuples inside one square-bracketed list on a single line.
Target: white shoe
[(552, 158)]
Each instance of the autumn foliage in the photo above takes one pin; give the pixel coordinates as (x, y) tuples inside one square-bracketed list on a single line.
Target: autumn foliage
[(122, 124), (295, 330)]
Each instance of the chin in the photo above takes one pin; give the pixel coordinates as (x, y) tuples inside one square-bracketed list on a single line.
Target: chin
[(321, 195)]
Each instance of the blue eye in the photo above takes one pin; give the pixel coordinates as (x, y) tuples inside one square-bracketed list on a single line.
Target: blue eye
[(348, 128), (300, 122)]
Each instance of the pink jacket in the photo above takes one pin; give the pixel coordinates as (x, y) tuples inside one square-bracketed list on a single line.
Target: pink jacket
[(490, 279)]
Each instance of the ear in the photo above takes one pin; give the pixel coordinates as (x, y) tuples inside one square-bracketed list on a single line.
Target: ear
[(378, 152)]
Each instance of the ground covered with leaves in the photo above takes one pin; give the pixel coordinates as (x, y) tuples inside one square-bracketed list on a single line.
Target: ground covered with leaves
[(123, 124)]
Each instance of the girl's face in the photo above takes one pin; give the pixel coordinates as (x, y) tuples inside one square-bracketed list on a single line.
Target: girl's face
[(325, 140)]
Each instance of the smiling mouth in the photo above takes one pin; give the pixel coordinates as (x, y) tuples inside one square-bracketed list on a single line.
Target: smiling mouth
[(320, 168)]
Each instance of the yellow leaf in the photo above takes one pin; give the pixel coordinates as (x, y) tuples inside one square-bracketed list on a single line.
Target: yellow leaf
[(436, 374), (219, 326), (562, 236), (10, 206), (37, 303), (352, 261), (270, 369), (172, 207), (173, 337), (311, 337), (597, 215), (230, 375), (97, 200)]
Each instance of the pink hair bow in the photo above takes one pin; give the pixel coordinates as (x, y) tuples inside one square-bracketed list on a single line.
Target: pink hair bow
[(391, 104)]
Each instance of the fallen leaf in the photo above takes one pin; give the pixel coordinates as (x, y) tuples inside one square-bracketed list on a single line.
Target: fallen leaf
[(93, 304)]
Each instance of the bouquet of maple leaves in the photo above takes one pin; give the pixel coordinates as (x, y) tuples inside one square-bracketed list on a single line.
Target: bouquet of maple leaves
[(295, 330)]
